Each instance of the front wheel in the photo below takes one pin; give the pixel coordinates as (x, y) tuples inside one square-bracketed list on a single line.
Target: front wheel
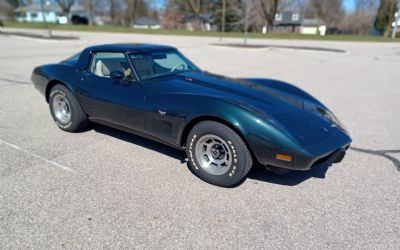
[(217, 154)]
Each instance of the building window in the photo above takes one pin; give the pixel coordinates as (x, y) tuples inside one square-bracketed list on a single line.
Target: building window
[(295, 17), (278, 17), (33, 14)]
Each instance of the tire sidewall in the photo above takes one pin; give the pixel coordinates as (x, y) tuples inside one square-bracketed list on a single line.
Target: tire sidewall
[(73, 123), (237, 169)]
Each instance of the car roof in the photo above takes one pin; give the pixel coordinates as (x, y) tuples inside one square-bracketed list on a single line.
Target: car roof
[(84, 58), (128, 47)]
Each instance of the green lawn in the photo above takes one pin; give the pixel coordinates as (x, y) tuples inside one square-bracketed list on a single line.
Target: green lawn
[(13, 24)]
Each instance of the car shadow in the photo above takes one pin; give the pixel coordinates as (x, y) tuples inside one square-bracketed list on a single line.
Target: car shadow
[(141, 141), (291, 178), (258, 172)]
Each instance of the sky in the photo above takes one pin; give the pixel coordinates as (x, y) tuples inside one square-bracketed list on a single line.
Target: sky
[(348, 4)]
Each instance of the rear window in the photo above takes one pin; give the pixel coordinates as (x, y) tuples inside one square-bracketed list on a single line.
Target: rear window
[(73, 59)]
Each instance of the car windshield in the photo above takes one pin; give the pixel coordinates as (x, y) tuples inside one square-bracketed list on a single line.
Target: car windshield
[(152, 64)]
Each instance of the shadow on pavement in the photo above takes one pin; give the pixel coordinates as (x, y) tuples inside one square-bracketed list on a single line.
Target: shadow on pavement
[(258, 172), (141, 141), (260, 46), (291, 178), (36, 35)]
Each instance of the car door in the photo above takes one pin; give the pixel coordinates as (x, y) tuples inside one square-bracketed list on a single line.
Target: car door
[(166, 109), (119, 101)]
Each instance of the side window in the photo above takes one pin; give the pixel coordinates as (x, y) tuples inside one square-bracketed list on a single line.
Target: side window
[(103, 63)]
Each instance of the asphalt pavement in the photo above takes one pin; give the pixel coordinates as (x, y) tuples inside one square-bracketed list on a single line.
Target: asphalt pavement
[(103, 188)]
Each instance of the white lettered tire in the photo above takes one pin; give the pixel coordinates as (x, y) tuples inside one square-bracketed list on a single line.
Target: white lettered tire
[(217, 154), (65, 109)]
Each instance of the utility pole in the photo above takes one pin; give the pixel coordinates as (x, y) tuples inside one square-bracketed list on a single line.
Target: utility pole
[(395, 23), (43, 9), (246, 20), (222, 20)]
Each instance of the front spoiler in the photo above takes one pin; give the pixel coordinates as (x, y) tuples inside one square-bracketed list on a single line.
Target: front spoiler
[(326, 152), (335, 157)]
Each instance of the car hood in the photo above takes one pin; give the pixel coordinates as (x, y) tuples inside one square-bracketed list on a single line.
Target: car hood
[(286, 104), (274, 96)]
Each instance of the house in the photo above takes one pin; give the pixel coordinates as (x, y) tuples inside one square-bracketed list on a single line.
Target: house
[(206, 21), (287, 21), (145, 22), (50, 11), (397, 24), (313, 27)]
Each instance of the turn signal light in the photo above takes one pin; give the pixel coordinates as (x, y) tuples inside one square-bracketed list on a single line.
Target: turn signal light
[(283, 157)]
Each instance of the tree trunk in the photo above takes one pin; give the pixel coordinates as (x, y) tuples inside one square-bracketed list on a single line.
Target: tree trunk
[(388, 30), (196, 23), (89, 9), (112, 11)]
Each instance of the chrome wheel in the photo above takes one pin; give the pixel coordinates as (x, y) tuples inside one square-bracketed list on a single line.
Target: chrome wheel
[(213, 154), (61, 109)]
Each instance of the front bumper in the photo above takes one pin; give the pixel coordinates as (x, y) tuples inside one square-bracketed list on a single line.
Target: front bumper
[(326, 152)]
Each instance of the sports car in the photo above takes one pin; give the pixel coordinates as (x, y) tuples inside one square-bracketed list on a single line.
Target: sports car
[(225, 124)]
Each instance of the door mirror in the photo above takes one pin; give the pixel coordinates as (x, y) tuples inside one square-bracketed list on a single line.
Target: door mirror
[(117, 75)]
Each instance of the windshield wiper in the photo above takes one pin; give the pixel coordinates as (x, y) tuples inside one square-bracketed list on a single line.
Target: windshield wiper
[(164, 75)]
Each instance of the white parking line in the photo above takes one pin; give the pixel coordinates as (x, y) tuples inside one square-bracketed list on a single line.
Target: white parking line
[(55, 164)]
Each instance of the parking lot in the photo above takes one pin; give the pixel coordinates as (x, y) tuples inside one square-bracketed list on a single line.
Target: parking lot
[(103, 188)]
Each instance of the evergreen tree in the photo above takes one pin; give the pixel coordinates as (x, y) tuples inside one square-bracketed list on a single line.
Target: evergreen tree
[(385, 16), (234, 13)]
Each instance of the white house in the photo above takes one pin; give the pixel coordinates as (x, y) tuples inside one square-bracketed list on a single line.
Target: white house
[(312, 27), (50, 11)]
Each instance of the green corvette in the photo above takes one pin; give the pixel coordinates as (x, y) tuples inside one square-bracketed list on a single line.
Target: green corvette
[(224, 124)]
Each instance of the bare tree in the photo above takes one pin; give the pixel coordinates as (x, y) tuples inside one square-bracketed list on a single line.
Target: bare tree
[(361, 19), (65, 6), (112, 10), (269, 9), (195, 7), (135, 9), (173, 14), (331, 11), (385, 16), (89, 9), (131, 6), (6, 9)]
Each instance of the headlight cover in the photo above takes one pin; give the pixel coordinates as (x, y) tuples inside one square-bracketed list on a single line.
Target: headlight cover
[(331, 117)]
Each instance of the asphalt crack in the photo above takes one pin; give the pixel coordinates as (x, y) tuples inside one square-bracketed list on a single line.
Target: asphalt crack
[(381, 153), (14, 81)]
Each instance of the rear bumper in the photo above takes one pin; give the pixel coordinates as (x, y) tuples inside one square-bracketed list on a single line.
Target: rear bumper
[(38, 80)]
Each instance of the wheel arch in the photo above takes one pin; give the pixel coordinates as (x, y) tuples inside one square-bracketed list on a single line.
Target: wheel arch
[(51, 84)]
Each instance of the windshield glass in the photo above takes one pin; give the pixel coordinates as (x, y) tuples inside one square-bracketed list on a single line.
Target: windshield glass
[(151, 64)]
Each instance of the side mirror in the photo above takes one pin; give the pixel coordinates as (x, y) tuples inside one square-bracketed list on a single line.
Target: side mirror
[(117, 75)]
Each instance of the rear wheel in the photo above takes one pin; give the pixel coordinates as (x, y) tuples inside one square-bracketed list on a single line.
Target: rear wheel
[(217, 154), (65, 109)]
